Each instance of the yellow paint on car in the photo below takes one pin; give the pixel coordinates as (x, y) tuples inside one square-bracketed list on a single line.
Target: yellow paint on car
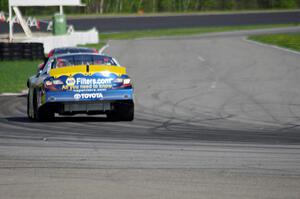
[(72, 70)]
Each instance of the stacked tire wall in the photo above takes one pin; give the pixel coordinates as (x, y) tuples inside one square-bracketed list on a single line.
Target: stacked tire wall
[(20, 51)]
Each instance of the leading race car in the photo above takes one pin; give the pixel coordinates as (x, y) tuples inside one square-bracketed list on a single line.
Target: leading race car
[(81, 83)]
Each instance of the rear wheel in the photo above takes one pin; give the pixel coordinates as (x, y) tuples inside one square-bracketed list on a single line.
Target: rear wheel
[(127, 113), (113, 116), (122, 111), (28, 107), (41, 114), (44, 115)]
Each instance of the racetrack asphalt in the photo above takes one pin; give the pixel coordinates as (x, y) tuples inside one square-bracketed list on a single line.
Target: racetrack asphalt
[(118, 24), (216, 117)]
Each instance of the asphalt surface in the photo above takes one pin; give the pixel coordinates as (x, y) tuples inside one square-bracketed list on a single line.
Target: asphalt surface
[(117, 24), (216, 117)]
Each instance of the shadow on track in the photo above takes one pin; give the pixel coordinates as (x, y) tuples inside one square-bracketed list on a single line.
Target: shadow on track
[(99, 128), (147, 126), (75, 119)]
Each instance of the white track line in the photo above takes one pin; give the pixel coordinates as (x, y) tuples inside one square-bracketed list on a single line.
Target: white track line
[(23, 93), (201, 59), (271, 46), (214, 84), (12, 94)]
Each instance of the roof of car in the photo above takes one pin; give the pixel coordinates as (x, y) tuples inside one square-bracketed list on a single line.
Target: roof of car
[(71, 48), (83, 53)]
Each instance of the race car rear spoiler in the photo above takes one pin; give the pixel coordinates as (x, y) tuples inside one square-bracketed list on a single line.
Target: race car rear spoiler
[(90, 70)]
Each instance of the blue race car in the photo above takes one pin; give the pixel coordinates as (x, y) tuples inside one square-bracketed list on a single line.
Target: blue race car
[(80, 83)]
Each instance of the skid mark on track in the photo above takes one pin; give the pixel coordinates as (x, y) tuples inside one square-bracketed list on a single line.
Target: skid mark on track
[(212, 71), (293, 125)]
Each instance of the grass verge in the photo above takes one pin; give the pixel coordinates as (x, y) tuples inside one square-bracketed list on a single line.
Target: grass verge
[(290, 41), (13, 74)]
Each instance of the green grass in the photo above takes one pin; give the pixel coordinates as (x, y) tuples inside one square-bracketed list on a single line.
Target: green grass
[(14, 74), (105, 37), (290, 41)]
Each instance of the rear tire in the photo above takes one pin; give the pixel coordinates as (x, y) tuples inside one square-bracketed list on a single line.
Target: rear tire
[(113, 116), (28, 108), (42, 114), (123, 111), (127, 113)]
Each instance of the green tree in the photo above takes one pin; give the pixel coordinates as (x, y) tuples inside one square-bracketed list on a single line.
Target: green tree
[(133, 6), (229, 4), (285, 3), (4, 5), (208, 4), (166, 5)]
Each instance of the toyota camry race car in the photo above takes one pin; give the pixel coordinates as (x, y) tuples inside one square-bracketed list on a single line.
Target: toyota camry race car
[(80, 83)]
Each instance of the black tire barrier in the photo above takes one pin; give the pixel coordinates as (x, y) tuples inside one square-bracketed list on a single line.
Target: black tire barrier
[(18, 51)]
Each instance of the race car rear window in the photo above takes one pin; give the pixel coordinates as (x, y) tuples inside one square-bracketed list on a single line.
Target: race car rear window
[(73, 50), (73, 60)]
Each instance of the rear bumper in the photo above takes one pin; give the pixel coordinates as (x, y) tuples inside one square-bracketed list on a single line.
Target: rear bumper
[(99, 102), (71, 96), (86, 107)]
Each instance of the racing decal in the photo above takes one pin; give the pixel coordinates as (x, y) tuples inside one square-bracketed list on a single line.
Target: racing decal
[(84, 83), (63, 96), (80, 83), (79, 96), (94, 81), (70, 81)]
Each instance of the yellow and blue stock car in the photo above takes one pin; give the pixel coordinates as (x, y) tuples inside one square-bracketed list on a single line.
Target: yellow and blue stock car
[(79, 83)]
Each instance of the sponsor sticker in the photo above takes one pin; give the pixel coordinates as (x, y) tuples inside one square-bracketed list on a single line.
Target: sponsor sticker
[(70, 81), (87, 84), (88, 96), (99, 81), (77, 96)]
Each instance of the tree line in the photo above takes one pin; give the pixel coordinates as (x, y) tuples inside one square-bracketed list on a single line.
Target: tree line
[(133, 6), (153, 6)]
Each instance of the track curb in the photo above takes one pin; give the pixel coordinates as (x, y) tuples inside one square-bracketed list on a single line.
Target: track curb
[(22, 93), (271, 46)]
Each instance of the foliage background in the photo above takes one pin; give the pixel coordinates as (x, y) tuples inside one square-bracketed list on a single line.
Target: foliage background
[(152, 6)]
